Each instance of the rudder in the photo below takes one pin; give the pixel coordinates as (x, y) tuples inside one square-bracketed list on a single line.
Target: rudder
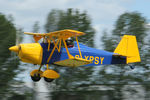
[(128, 47)]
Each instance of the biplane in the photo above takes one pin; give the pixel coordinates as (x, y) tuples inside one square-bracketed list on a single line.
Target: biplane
[(54, 50)]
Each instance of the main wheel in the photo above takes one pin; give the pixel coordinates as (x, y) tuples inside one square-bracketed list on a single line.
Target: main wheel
[(36, 77), (48, 79)]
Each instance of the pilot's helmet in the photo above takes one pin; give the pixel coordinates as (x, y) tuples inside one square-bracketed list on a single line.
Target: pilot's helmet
[(69, 41)]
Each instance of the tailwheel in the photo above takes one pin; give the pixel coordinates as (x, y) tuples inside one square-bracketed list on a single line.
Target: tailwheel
[(132, 67), (48, 79), (36, 75)]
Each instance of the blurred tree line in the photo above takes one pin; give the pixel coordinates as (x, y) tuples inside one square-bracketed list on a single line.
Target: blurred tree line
[(9, 36), (130, 23)]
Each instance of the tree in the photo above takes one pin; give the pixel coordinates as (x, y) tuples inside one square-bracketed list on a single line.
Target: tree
[(36, 27), (52, 20), (8, 64), (78, 21), (132, 24), (71, 78), (19, 36), (128, 23), (106, 41), (8, 37), (71, 19)]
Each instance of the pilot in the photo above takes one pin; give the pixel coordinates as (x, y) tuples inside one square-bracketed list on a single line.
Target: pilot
[(45, 40), (69, 43)]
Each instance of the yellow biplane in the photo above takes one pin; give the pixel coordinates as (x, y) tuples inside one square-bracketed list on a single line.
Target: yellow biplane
[(57, 49)]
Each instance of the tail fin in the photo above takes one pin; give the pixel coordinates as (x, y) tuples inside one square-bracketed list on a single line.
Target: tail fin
[(128, 47)]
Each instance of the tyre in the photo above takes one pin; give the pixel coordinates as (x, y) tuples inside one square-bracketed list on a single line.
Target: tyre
[(36, 77), (48, 79)]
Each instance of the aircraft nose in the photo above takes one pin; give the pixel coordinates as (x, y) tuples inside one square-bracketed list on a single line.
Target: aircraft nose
[(14, 48)]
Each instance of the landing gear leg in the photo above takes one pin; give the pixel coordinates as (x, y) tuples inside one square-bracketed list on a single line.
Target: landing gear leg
[(36, 77), (36, 74), (40, 68)]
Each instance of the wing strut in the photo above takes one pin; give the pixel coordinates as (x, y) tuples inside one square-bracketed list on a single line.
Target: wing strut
[(78, 47), (55, 46), (66, 48)]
